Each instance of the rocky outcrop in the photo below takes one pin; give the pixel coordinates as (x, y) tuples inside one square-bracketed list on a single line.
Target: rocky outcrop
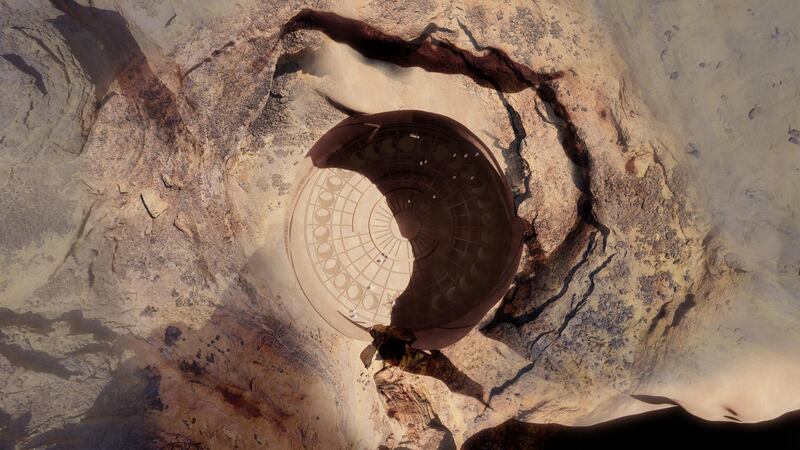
[(148, 153)]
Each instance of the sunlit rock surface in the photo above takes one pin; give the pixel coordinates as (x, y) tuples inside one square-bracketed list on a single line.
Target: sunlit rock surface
[(148, 153)]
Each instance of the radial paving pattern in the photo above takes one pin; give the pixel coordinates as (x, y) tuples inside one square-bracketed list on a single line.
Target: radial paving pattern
[(403, 222)]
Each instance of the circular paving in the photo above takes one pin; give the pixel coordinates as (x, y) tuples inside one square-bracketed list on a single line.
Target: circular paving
[(403, 219)]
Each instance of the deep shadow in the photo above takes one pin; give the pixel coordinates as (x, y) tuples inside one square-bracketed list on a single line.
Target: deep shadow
[(397, 351), (42, 362), (118, 417), (238, 371), (671, 428), (494, 69), (12, 430)]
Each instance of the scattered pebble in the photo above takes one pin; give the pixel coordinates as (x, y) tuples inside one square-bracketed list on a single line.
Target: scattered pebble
[(171, 335), (171, 182), (794, 136)]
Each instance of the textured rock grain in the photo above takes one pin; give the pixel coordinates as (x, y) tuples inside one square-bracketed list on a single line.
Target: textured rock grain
[(148, 153)]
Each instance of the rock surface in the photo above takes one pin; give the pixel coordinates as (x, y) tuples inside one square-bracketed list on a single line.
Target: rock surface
[(148, 153)]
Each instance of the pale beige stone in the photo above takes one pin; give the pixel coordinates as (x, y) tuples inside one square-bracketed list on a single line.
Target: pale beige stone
[(682, 286), (153, 203)]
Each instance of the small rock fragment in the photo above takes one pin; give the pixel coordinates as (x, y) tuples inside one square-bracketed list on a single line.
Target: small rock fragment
[(367, 355), (182, 223), (171, 335), (153, 203), (171, 182), (794, 136), (673, 75), (192, 368)]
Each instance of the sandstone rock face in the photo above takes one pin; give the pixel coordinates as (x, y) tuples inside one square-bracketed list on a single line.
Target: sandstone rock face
[(149, 151)]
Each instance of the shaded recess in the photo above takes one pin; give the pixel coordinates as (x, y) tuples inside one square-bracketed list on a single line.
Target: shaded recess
[(669, 428), (403, 219)]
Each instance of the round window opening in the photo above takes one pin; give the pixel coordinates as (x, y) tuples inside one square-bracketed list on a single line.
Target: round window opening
[(403, 218)]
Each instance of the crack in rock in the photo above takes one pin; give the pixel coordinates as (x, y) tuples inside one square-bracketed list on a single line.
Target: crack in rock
[(576, 150), (579, 305), (425, 52), (214, 54), (681, 310), (519, 321), (575, 307), (514, 151)]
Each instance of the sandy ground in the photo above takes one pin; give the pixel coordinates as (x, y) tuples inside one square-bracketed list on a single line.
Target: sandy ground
[(148, 151)]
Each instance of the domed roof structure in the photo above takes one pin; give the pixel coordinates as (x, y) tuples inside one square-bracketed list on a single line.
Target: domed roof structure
[(403, 218)]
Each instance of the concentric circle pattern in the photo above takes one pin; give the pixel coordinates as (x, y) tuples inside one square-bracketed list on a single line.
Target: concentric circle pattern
[(405, 224)]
